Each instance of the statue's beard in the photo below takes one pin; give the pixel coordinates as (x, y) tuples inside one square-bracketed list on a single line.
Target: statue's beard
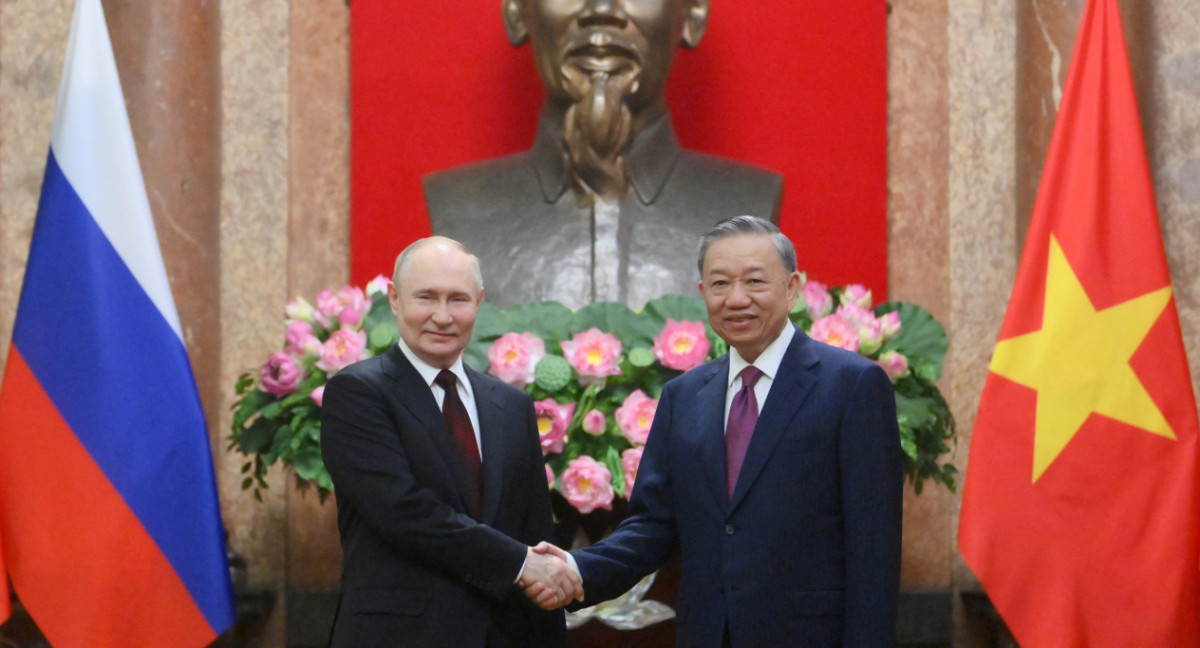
[(598, 126)]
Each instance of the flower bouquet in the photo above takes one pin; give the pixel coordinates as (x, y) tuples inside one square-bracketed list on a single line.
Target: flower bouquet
[(277, 417), (595, 376)]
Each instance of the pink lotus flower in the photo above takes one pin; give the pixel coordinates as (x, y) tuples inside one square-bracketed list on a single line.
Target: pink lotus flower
[(549, 477), (378, 285), (318, 395), (298, 309), (891, 324), (856, 294), (856, 315), (681, 345), (834, 330), (894, 363), (594, 422), (280, 375), (870, 337), (587, 485), (300, 339), (631, 460), (870, 328), (553, 420), (328, 307), (635, 415), (819, 302), (354, 305), (344, 347), (593, 355), (513, 357)]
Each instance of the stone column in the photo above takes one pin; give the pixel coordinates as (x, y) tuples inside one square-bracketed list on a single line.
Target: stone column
[(918, 240), (319, 235), (982, 215), (253, 250)]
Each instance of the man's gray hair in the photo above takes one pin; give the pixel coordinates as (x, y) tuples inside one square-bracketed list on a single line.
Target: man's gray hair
[(403, 257), (752, 225)]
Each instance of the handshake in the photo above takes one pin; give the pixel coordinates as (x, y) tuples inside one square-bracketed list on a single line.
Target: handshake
[(548, 579)]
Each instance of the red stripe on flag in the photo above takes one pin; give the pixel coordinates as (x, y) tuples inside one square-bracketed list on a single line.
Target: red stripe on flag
[(82, 564)]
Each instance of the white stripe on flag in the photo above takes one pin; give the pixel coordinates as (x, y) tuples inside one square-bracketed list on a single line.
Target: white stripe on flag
[(91, 123)]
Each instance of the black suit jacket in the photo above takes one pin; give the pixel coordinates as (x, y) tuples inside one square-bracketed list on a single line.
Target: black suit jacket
[(420, 566), (807, 552)]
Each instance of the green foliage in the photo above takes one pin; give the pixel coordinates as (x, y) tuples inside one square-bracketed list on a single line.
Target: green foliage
[(272, 430), (922, 339), (927, 428)]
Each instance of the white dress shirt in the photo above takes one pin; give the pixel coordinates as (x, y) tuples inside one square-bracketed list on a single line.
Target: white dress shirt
[(429, 373), (767, 362)]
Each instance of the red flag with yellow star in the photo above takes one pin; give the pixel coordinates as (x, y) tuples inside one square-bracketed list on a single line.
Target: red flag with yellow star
[(1080, 507)]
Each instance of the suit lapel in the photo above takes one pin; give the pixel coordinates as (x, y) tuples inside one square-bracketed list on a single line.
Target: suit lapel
[(710, 402), (417, 397), (492, 440), (789, 390)]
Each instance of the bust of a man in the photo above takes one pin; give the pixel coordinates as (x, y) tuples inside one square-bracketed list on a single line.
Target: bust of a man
[(606, 206)]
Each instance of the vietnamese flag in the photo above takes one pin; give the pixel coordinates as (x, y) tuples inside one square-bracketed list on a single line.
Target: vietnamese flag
[(1080, 504)]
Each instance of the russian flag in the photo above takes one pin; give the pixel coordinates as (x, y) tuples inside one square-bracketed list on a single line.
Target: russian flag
[(108, 504)]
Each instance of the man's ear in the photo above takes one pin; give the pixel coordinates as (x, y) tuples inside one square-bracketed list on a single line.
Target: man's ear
[(514, 22), (695, 21)]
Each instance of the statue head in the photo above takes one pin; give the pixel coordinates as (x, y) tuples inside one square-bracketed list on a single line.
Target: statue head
[(604, 64), (629, 42)]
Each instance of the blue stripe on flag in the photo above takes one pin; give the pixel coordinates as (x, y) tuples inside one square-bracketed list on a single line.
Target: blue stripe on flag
[(122, 380)]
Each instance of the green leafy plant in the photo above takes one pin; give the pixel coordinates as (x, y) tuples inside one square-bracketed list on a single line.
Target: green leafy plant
[(595, 375)]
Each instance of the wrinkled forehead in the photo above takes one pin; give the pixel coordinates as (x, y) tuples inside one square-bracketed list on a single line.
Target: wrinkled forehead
[(439, 262)]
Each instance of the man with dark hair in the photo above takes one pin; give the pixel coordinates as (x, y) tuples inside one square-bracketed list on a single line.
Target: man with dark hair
[(775, 470)]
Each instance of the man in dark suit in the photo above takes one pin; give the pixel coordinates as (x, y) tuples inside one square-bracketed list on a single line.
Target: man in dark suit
[(792, 536), (439, 480), (605, 204)]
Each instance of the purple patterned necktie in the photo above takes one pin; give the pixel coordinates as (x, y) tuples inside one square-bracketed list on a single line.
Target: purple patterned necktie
[(459, 424), (743, 414)]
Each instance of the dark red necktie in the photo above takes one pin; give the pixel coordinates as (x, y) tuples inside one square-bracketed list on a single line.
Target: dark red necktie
[(459, 424), (743, 415)]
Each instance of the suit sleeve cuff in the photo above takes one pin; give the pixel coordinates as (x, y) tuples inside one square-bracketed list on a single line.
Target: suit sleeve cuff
[(517, 580)]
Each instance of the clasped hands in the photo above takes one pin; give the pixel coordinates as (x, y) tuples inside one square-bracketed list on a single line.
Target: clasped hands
[(548, 580)]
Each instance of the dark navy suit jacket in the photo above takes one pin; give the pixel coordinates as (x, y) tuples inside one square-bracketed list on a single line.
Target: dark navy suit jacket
[(421, 566), (807, 552)]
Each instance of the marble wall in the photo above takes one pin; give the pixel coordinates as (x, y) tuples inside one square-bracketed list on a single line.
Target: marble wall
[(240, 110)]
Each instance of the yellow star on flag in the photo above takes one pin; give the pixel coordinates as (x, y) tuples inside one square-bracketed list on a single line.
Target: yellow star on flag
[(1079, 361)]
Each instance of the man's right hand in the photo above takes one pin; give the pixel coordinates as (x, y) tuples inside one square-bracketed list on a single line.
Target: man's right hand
[(548, 580)]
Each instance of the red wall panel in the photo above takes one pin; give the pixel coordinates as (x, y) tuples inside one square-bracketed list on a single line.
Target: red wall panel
[(798, 86)]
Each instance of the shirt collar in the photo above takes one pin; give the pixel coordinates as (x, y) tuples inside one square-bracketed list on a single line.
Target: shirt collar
[(648, 162), (429, 372), (767, 362)]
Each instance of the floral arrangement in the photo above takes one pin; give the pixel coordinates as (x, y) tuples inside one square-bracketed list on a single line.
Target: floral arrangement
[(595, 376)]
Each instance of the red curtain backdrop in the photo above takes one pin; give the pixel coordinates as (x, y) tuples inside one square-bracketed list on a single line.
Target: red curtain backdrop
[(799, 87)]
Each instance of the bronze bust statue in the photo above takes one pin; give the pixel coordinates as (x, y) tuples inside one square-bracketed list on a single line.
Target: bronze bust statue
[(606, 205)]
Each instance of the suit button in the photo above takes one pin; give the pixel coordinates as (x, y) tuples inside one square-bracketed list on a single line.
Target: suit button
[(729, 530)]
